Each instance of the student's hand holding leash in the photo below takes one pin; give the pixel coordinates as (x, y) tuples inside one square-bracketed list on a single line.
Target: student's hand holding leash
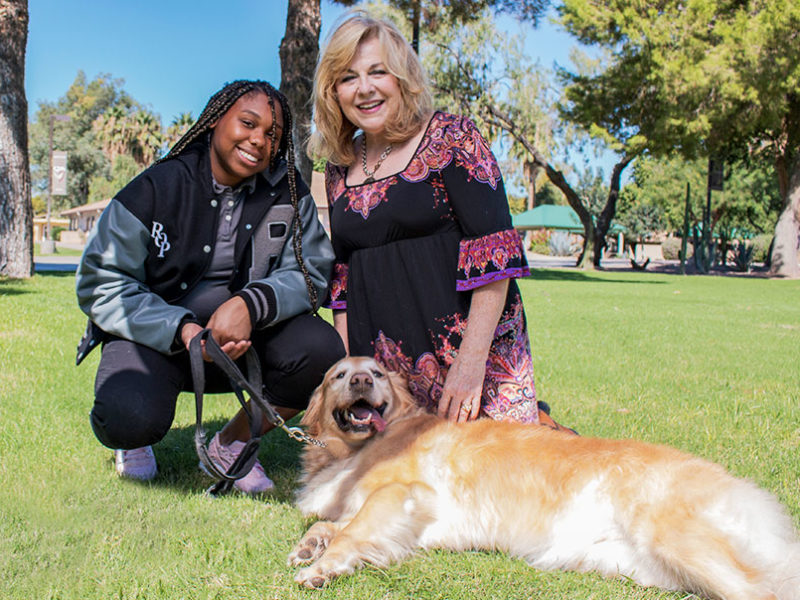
[(230, 326)]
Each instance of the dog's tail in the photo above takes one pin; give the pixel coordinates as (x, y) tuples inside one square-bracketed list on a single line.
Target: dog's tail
[(768, 540), (787, 575), (740, 545)]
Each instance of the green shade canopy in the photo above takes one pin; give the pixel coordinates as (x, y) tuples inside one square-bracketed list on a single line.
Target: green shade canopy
[(551, 216), (548, 216)]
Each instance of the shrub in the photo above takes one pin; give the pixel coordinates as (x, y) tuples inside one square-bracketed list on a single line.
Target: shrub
[(539, 239), (671, 248), (761, 247), (55, 233)]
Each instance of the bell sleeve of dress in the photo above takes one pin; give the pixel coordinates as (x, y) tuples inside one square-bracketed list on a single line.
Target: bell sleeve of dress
[(491, 248), (337, 292)]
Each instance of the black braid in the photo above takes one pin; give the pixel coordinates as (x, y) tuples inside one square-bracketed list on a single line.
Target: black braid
[(216, 107)]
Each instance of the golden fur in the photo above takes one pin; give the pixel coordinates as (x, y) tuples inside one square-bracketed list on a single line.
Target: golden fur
[(393, 478)]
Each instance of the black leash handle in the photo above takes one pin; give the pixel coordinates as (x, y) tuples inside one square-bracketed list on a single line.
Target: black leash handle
[(259, 407), (249, 454)]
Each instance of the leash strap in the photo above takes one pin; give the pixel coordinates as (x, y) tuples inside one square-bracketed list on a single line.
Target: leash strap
[(259, 408), (249, 454)]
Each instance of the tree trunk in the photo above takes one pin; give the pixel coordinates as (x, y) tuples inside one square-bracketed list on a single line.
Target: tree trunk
[(416, 15), (16, 213), (556, 177), (530, 170), (609, 210), (298, 53), (783, 259)]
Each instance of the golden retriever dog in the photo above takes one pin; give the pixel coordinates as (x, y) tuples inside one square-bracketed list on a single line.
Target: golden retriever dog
[(393, 478)]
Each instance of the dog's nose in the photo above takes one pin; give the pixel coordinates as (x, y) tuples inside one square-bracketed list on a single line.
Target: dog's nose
[(361, 379)]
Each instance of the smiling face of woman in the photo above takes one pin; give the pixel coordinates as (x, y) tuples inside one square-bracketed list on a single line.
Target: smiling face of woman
[(368, 94), (241, 142)]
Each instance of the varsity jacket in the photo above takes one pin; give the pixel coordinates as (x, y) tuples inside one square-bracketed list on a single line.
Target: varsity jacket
[(154, 242)]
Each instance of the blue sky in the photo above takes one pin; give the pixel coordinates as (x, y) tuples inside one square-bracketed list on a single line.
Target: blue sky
[(174, 54)]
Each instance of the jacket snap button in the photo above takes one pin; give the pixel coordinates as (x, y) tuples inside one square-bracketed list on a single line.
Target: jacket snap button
[(214, 203), (206, 249), (184, 285)]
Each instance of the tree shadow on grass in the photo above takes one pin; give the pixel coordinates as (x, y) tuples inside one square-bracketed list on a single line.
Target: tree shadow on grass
[(10, 286), (178, 462), (578, 275)]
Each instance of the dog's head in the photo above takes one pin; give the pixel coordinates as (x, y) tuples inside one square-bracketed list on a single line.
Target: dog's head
[(357, 399)]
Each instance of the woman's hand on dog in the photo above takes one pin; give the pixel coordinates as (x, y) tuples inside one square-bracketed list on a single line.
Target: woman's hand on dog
[(463, 387)]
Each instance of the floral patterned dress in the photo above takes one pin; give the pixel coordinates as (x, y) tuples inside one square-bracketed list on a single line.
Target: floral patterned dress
[(411, 247)]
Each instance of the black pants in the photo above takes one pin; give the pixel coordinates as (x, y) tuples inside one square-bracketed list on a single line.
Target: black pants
[(136, 388)]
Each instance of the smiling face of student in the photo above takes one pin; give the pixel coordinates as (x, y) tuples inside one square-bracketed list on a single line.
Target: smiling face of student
[(368, 94), (241, 142)]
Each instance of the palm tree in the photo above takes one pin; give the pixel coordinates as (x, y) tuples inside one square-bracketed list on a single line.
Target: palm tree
[(178, 127), (111, 128), (16, 213), (145, 139)]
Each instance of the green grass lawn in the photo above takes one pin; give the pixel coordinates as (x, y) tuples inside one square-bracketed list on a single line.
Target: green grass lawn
[(707, 364)]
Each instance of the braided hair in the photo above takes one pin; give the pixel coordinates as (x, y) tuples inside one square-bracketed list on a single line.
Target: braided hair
[(215, 109)]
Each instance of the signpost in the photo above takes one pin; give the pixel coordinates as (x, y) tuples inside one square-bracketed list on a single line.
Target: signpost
[(56, 182)]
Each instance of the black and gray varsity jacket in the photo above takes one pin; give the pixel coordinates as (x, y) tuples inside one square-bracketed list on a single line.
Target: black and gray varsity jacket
[(155, 240)]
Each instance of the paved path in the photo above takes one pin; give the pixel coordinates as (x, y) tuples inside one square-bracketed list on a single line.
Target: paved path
[(58, 262)]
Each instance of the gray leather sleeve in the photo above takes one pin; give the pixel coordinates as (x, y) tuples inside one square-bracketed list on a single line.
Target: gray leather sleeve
[(286, 279), (110, 283)]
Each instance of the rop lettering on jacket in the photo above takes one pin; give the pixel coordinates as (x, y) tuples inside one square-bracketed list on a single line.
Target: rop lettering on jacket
[(159, 238)]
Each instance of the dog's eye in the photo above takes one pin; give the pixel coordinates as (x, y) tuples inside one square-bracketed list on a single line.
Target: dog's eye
[(377, 373), (340, 375)]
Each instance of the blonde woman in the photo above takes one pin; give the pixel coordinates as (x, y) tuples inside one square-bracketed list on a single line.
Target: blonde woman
[(426, 256)]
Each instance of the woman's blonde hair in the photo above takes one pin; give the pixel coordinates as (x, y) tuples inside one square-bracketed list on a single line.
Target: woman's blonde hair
[(333, 136)]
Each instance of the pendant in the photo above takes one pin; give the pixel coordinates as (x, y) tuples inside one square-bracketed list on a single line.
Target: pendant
[(369, 179)]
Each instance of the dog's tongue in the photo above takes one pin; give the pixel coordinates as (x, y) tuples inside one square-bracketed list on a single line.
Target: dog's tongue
[(363, 413)]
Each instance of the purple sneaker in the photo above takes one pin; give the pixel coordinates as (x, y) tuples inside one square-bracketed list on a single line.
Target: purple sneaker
[(138, 463), (255, 482)]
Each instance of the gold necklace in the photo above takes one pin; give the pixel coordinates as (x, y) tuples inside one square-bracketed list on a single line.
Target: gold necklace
[(371, 174)]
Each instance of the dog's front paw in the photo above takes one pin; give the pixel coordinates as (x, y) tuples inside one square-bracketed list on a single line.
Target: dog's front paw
[(307, 550), (313, 578), (323, 572)]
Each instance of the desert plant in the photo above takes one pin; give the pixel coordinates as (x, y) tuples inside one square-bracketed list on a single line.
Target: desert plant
[(560, 244), (671, 248), (743, 256)]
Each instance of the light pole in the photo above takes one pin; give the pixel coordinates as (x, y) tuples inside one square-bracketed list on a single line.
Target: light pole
[(53, 118)]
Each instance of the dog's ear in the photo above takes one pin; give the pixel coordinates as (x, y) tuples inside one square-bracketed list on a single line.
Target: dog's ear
[(402, 393), (313, 413)]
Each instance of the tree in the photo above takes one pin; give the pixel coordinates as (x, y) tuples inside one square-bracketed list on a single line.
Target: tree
[(298, 53), (438, 13), (146, 140), (16, 216), (83, 102), (179, 126), (490, 78), (748, 203), (706, 78)]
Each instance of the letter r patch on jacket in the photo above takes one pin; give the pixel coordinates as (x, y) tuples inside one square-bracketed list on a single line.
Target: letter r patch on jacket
[(159, 238)]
